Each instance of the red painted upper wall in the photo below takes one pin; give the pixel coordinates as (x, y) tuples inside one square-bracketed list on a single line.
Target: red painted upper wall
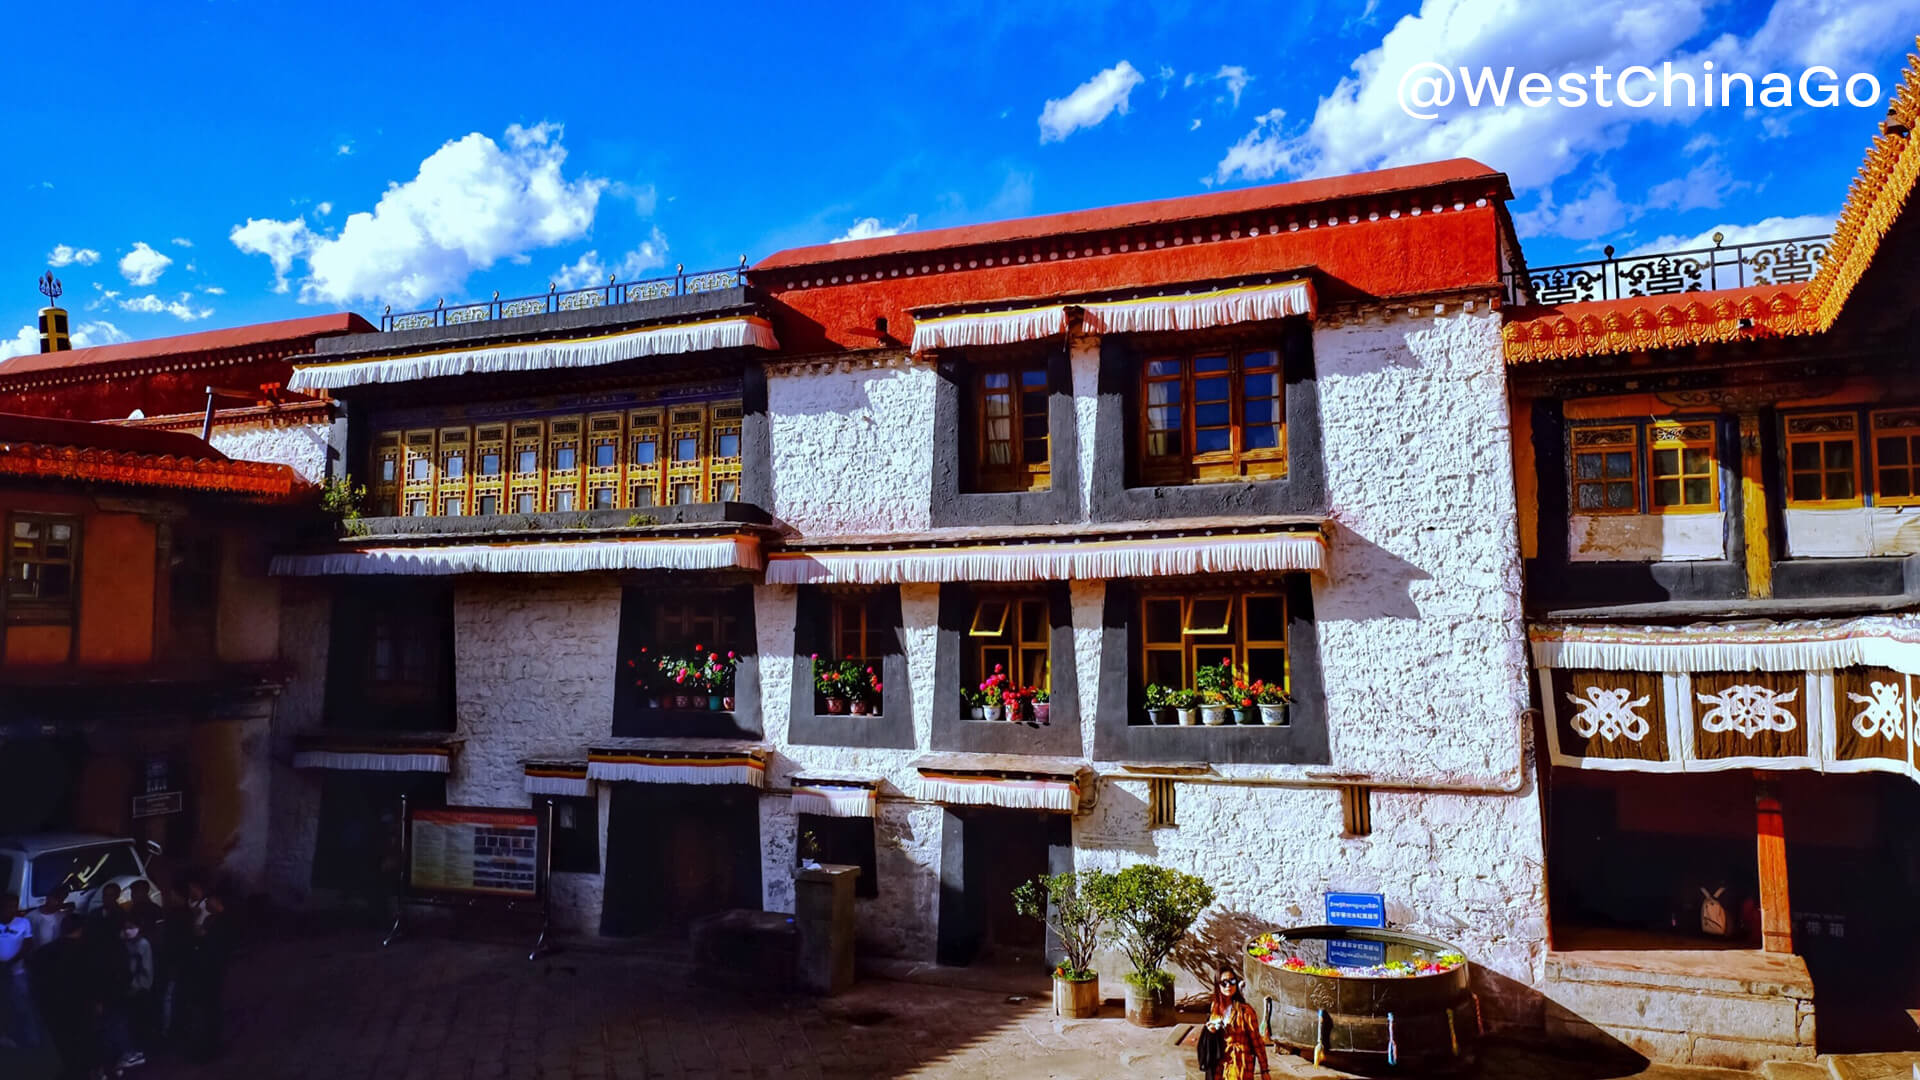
[(162, 375), (1410, 232)]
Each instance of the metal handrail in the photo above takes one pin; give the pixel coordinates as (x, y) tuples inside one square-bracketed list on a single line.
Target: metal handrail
[(1771, 262), (680, 283)]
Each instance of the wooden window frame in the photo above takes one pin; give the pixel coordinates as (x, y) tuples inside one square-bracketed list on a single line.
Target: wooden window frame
[(1237, 462), (1635, 465), (1847, 432), (1196, 637), (385, 492), (1018, 472), (850, 612), (1680, 436), (1879, 427), (1008, 643), (35, 609), (697, 620)]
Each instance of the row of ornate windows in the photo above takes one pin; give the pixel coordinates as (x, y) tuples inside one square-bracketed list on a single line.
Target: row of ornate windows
[(1672, 466), (632, 459)]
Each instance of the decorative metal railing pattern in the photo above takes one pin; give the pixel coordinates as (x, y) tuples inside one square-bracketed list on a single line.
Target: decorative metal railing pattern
[(680, 283), (1771, 262)]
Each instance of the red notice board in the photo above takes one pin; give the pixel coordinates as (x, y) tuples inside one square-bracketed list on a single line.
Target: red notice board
[(477, 851)]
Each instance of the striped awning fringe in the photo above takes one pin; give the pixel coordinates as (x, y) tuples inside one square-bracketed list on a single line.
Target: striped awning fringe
[(374, 758), (678, 766), (1891, 641), (1017, 791), (557, 778), (1147, 314), (728, 333), (532, 557), (835, 798), (1085, 560)]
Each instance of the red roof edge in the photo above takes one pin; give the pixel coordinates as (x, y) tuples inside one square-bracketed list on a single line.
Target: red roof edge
[(91, 435), (238, 337)]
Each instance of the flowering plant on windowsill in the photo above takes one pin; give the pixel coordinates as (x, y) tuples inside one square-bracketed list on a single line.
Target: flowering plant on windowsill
[(847, 686), (703, 680)]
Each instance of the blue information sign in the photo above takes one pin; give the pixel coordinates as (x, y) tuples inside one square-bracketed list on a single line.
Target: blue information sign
[(1356, 909)]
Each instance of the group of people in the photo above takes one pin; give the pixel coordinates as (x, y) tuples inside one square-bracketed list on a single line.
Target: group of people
[(108, 984)]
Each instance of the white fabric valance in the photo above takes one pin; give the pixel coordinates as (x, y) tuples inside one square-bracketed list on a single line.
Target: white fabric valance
[(729, 333), (1013, 790), (1055, 561), (530, 557), (557, 778), (834, 798), (677, 767), (371, 760), (1890, 641), (1147, 314)]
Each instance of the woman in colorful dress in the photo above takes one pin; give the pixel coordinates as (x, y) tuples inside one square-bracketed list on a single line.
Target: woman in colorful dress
[(1242, 1050)]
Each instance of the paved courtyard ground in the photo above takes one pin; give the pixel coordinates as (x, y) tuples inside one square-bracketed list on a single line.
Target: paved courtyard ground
[(338, 1007)]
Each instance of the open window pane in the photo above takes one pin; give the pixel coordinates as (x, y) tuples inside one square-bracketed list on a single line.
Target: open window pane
[(1208, 615), (989, 619)]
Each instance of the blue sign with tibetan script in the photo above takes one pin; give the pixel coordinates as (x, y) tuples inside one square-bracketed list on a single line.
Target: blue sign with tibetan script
[(1356, 909)]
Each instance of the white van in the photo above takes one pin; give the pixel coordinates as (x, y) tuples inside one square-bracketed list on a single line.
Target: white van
[(32, 866)]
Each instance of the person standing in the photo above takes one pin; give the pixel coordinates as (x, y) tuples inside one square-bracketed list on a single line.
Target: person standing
[(50, 917), (1235, 1029), (137, 1023), (66, 985), (16, 941), (201, 982)]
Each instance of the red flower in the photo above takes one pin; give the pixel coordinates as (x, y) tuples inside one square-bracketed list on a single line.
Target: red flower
[(996, 669), (629, 663), (682, 677), (730, 655), (699, 648), (711, 657), (876, 684)]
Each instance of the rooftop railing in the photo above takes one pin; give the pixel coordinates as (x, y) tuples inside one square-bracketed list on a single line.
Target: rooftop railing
[(679, 283), (1770, 262)]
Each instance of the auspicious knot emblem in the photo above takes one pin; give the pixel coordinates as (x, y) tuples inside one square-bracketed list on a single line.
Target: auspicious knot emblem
[(1748, 710), (1884, 715), (1609, 714)]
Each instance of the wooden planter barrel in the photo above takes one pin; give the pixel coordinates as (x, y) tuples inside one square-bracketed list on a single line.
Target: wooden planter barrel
[(1076, 1000), (1431, 1021)]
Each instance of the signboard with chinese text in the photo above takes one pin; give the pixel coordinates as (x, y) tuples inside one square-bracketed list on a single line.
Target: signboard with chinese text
[(475, 850)]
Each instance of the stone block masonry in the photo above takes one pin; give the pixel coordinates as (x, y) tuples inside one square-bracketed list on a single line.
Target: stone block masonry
[(1730, 1009)]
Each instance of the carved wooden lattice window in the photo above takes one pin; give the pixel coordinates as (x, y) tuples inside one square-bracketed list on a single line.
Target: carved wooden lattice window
[(565, 463), (603, 461), (1212, 416), (1896, 458), (723, 465), (1683, 475), (419, 480), (489, 468), (686, 453), (42, 553), (524, 482), (1013, 632), (1606, 473), (385, 487), (1823, 460), (644, 458), (1010, 425), (456, 467), (1181, 633)]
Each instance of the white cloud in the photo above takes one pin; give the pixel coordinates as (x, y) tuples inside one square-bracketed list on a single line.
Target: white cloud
[(588, 270), (178, 308), (62, 255), (869, 227), (1359, 124), (143, 266), (1090, 103), (1598, 211), (214, 290), (181, 241), (323, 209), (1236, 79), (472, 204), (1261, 153), (1704, 186), (1196, 124), (84, 335), (1702, 141), (345, 149), (1773, 228)]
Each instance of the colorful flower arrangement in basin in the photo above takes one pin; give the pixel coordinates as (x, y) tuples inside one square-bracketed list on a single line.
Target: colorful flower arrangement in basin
[(1278, 951)]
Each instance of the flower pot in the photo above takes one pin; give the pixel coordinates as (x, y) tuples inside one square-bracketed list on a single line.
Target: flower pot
[(836, 706), (680, 701), (1274, 715), (1076, 1000), (1248, 715), (1162, 717), (714, 702), (1042, 711), (857, 708), (726, 704), (1150, 1008), (652, 702), (991, 712), (976, 712), (1188, 717), (1215, 715)]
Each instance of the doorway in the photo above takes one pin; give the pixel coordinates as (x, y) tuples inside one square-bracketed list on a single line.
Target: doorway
[(994, 851), (357, 850), (676, 852)]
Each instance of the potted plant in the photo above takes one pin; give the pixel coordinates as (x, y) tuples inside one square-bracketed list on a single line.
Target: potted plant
[(1069, 905), (829, 685), (675, 674), (1159, 705), (1245, 696), (991, 692), (1042, 706), (1152, 907), (1014, 698), (974, 702), (1212, 681), (1185, 704), (1275, 705), (863, 688), (714, 674)]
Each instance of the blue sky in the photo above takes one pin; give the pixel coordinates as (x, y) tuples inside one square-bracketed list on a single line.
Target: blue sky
[(195, 166)]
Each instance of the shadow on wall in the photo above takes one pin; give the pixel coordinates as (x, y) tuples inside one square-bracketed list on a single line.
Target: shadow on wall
[(1372, 582), (1219, 941), (1120, 824)]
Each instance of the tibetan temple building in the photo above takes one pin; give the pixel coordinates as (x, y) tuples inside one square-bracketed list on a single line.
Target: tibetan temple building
[(1578, 599)]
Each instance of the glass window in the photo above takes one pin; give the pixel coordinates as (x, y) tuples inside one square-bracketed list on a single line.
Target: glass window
[(563, 500), (528, 461), (686, 448), (1011, 632), (603, 455), (523, 504), (490, 463), (455, 466), (1683, 474), (1011, 428), (489, 504), (83, 868), (565, 458), (1896, 458), (419, 469), (1606, 478), (644, 451), (1822, 460), (1216, 415), (1181, 632), (40, 567), (602, 498), (728, 444)]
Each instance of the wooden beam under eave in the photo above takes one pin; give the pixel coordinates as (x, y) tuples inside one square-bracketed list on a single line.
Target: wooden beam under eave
[(1753, 510), (1776, 908)]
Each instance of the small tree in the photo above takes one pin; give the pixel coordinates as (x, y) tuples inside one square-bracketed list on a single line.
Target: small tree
[(1069, 905), (1152, 907)]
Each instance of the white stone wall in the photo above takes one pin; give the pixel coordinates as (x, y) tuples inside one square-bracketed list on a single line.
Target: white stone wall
[(300, 446), (852, 446), (305, 610)]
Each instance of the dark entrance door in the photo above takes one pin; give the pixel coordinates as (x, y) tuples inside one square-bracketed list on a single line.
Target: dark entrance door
[(357, 850), (676, 852), (994, 852)]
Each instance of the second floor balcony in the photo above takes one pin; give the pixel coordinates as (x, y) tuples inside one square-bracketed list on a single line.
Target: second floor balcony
[(1784, 261)]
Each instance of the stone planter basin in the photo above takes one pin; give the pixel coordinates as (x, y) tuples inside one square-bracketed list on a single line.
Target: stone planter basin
[(1360, 1022)]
